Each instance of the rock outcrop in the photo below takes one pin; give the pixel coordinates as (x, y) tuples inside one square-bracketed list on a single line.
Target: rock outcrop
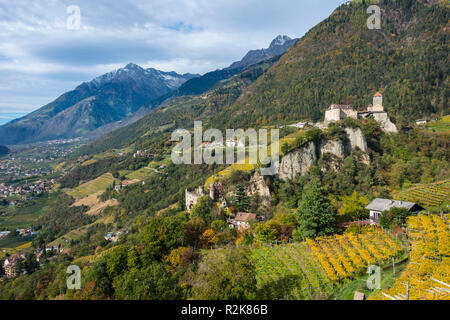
[(259, 186), (298, 161), (384, 122), (336, 147), (356, 139)]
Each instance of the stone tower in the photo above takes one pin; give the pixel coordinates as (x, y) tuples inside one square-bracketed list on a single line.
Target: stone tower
[(378, 100)]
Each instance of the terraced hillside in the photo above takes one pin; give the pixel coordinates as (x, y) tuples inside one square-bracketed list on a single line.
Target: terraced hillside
[(430, 195), (91, 187), (428, 273), (317, 269)]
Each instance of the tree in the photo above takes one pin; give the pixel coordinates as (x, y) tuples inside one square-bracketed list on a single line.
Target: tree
[(393, 218), (179, 257), (133, 259), (209, 238), (154, 282), (2, 271), (219, 226), (241, 201), (225, 274), (268, 232), (202, 209), (30, 264), (399, 216), (194, 229), (315, 216), (116, 261), (161, 235), (385, 219), (98, 278), (353, 207)]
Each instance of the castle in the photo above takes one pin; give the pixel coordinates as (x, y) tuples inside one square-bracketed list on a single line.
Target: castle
[(215, 193), (338, 112)]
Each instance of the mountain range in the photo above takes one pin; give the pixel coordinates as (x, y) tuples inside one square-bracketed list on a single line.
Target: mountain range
[(119, 98), (342, 61), (199, 85), (339, 61), (109, 98)]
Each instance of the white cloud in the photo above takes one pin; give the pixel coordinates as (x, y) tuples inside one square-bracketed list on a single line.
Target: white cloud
[(40, 57)]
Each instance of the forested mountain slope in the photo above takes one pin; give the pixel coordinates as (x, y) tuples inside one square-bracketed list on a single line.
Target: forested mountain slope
[(342, 61), (181, 111)]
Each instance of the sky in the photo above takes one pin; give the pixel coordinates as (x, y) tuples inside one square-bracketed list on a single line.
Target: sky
[(45, 52)]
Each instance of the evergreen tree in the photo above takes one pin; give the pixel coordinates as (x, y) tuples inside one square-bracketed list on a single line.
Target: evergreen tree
[(315, 216), (241, 201)]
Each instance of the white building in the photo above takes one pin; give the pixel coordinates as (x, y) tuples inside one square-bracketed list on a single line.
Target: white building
[(378, 205)]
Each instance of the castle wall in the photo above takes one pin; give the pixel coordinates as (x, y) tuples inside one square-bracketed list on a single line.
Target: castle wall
[(192, 197), (384, 121), (375, 108), (350, 113), (333, 115)]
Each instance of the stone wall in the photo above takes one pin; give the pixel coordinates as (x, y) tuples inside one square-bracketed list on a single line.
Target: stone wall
[(192, 197), (333, 115)]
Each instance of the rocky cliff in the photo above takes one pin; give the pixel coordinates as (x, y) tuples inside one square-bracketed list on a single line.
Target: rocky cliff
[(259, 186), (298, 161), (384, 122)]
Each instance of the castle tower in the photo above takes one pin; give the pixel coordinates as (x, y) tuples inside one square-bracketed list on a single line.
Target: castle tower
[(378, 102)]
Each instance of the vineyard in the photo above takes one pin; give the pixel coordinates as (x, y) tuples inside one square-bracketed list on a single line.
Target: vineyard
[(431, 195), (427, 276), (343, 256), (93, 186), (289, 271), (311, 270)]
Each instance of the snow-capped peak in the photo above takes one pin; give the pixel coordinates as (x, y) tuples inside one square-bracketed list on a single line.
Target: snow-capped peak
[(280, 40)]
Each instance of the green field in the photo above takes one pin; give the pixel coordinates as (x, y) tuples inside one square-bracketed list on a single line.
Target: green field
[(11, 243), (141, 174), (93, 186), (429, 195), (23, 216), (442, 125)]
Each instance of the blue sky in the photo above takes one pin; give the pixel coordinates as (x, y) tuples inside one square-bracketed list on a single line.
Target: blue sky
[(40, 58)]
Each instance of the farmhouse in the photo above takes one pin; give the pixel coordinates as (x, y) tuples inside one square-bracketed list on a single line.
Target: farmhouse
[(378, 205), (242, 220)]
